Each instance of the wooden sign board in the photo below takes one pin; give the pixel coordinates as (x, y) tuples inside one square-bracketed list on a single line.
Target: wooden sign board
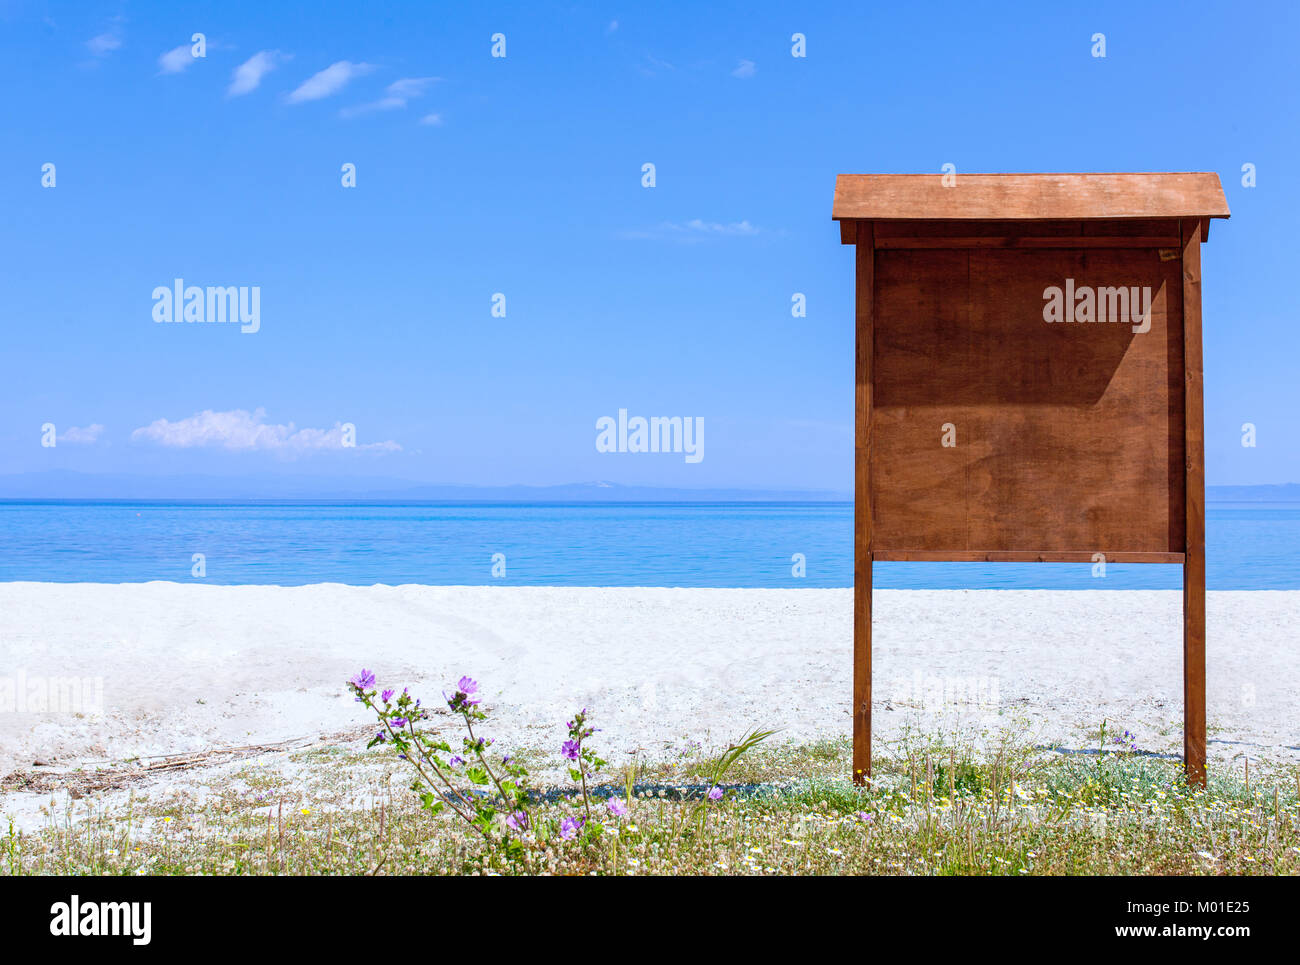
[(1029, 382)]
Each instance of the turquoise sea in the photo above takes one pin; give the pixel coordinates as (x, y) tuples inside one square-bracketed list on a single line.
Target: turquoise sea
[(1250, 546)]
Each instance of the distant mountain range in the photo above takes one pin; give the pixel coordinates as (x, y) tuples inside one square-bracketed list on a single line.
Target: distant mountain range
[(1281, 493), (65, 484)]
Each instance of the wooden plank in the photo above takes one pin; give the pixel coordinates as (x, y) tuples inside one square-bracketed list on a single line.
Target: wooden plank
[(1067, 435), (1194, 568), (1011, 241), (1123, 227), (848, 232), (1020, 556), (862, 505), (1086, 197)]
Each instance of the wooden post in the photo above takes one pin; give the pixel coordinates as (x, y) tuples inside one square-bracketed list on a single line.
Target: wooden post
[(862, 507), (1194, 564)]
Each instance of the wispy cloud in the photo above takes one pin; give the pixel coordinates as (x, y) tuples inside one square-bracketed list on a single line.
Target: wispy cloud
[(396, 96), (653, 65), (745, 70), (175, 60), (431, 120), (613, 25), (240, 429), (694, 230), (249, 74), (329, 81), (104, 44), (82, 436)]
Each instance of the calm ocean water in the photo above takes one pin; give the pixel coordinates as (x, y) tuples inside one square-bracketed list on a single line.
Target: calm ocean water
[(1250, 546)]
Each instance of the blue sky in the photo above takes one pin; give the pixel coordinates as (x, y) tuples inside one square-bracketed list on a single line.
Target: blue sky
[(522, 175)]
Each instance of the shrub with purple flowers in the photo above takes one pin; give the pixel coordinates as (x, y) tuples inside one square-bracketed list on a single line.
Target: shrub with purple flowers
[(573, 749), (490, 795)]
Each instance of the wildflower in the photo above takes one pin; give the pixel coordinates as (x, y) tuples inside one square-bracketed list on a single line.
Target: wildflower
[(306, 810), (570, 750), (399, 722), (715, 793), (616, 807), (363, 681), (569, 828), (466, 687), (517, 821), (387, 695), (456, 761)]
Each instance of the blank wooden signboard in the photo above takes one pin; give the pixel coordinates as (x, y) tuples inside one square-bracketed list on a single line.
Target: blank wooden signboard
[(1064, 439)]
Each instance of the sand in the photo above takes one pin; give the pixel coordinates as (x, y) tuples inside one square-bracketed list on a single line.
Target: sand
[(192, 667)]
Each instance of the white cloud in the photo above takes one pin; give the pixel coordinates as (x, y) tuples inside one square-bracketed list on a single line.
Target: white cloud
[(249, 74), (104, 44), (240, 429), (383, 104), (411, 87), (175, 60), (431, 120), (398, 93), (613, 25), (745, 70), (86, 436), (329, 81), (714, 228), (694, 230), (654, 66)]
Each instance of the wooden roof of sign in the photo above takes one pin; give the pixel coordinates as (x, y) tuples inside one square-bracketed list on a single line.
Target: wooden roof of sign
[(1027, 197)]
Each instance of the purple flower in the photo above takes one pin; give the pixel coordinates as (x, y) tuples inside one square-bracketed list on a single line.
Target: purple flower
[(398, 722), (363, 681), (570, 750), (387, 695), (517, 821), (456, 761), (465, 688), (616, 807), (864, 817), (569, 828), (715, 793)]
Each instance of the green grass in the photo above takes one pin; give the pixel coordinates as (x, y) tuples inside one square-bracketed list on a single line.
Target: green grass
[(936, 806)]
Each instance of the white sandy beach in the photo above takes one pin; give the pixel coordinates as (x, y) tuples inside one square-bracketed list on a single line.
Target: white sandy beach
[(191, 667)]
